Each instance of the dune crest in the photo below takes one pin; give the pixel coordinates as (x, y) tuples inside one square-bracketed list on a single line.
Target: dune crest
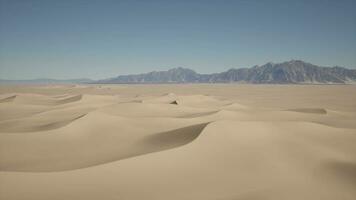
[(35, 124), (35, 99)]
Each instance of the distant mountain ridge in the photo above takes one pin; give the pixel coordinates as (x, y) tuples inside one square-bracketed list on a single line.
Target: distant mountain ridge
[(291, 72)]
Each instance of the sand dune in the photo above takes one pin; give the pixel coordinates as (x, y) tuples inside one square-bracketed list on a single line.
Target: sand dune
[(131, 142), (14, 111), (164, 99), (40, 122), (154, 110), (71, 146), (202, 101), (247, 160)]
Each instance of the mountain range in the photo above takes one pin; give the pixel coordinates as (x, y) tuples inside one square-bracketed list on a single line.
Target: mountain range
[(291, 72)]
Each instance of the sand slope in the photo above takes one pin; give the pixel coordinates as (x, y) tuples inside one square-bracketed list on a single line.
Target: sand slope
[(120, 142)]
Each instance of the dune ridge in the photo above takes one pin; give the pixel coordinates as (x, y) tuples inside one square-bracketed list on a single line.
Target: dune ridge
[(55, 144), (32, 125), (36, 99)]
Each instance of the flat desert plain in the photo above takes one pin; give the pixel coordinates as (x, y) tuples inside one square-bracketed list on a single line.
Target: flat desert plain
[(178, 142)]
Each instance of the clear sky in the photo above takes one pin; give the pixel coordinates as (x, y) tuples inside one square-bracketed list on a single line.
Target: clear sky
[(105, 38)]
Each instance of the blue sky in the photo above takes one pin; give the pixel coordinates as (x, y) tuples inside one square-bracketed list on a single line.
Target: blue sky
[(105, 38)]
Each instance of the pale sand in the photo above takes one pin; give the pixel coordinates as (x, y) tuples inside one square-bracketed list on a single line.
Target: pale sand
[(163, 142)]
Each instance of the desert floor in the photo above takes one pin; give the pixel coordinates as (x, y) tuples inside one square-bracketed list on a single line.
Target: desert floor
[(178, 142)]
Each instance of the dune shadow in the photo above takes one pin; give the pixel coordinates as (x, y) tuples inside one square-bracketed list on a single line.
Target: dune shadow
[(309, 110), (8, 99), (174, 138), (343, 171), (69, 99)]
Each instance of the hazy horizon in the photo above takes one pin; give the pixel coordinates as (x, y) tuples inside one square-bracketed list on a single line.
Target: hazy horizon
[(101, 39), (153, 70)]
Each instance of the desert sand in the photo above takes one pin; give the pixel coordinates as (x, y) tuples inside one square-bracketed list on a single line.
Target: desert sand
[(178, 142)]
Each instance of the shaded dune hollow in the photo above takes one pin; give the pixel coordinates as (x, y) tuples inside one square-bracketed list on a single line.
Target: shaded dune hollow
[(174, 138), (175, 102), (7, 99), (70, 99), (340, 170), (310, 110)]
